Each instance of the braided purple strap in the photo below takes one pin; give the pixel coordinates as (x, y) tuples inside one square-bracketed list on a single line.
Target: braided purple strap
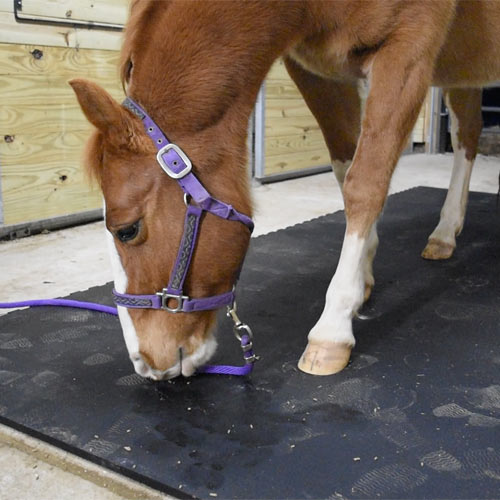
[(184, 303), (91, 306)]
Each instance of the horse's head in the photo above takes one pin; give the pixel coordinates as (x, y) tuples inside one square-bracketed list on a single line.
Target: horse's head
[(145, 220)]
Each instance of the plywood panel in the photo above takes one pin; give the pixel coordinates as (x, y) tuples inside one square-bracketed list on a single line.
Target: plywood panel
[(296, 160), (290, 126), (33, 118), (64, 62), (293, 140), (43, 131), (50, 89), (306, 142), (13, 32), (99, 11)]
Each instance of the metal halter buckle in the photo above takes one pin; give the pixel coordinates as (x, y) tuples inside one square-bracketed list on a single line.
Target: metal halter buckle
[(183, 157), (164, 301)]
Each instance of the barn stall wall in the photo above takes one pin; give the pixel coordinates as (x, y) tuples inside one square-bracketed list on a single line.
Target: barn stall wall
[(42, 129), (43, 44), (288, 140)]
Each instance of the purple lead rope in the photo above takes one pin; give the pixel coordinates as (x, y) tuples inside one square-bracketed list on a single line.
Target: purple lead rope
[(246, 342), (91, 306)]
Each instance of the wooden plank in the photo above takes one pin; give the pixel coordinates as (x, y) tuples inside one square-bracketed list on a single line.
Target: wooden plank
[(56, 36), (279, 127), (43, 130), (54, 148), (281, 89), (296, 160), (32, 194), (278, 71), (42, 176), (51, 89), (33, 118), (311, 141), (427, 118), (293, 139), (99, 11), (65, 62)]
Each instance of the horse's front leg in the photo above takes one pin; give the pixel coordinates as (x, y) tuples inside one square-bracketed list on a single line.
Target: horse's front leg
[(399, 81)]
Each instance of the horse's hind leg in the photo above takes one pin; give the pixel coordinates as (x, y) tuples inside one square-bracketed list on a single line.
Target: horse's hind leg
[(466, 124), (337, 108)]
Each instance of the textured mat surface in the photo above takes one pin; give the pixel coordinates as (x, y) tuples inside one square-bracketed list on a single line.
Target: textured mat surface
[(415, 415)]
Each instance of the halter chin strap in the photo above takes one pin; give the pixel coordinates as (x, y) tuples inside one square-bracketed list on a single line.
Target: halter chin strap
[(177, 165)]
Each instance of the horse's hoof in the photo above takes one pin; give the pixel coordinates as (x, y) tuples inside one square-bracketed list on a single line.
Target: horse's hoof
[(324, 358), (438, 250)]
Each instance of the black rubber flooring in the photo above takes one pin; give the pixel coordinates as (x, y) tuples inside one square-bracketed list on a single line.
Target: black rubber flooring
[(415, 415)]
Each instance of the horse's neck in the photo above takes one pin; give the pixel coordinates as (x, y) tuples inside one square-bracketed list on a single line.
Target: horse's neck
[(198, 73), (201, 58)]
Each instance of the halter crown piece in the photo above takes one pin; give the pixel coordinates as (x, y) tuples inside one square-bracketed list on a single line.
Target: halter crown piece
[(176, 164)]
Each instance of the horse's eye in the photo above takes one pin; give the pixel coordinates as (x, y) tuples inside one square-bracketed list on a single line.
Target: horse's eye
[(128, 233)]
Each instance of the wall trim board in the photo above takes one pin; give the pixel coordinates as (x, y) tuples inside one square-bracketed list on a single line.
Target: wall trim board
[(90, 14), (1, 201), (14, 32), (293, 174), (14, 231)]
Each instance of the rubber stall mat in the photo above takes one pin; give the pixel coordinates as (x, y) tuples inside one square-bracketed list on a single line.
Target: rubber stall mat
[(416, 414)]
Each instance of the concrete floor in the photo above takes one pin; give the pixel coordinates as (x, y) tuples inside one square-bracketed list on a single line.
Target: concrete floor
[(61, 262)]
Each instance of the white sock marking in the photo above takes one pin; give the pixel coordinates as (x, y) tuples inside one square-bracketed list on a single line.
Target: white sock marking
[(453, 211), (344, 295)]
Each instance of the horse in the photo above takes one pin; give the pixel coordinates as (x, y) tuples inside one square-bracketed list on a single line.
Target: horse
[(194, 68)]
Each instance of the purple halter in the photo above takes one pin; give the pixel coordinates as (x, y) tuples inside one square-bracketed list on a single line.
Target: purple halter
[(177, 165)]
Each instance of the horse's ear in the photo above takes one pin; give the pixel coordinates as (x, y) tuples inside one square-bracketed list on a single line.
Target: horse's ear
[(114, 121)]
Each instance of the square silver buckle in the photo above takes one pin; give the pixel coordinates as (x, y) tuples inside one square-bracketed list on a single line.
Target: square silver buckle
[(164, 301), (167, 169)]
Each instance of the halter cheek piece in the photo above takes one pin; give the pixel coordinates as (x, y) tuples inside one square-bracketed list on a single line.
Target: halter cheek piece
[(177, 165)]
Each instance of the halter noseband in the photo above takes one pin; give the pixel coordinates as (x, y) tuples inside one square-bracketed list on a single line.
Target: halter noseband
[(177, 165)]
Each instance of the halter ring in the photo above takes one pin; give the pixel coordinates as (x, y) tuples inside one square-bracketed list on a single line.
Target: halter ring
[(164, 301)]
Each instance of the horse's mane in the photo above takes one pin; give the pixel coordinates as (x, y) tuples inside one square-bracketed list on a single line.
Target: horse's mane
[(143, 14)]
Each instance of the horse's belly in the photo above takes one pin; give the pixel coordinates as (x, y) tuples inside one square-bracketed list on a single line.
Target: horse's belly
[(329, 60), (471, 53)]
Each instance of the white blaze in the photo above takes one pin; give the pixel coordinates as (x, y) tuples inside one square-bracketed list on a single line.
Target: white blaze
[(128, 328)]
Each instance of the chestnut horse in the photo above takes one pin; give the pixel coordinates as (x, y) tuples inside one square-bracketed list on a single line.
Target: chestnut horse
[(196, 67)]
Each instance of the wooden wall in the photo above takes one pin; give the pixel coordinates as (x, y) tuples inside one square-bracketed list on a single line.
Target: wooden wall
[(42, 129), (293, 139)]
